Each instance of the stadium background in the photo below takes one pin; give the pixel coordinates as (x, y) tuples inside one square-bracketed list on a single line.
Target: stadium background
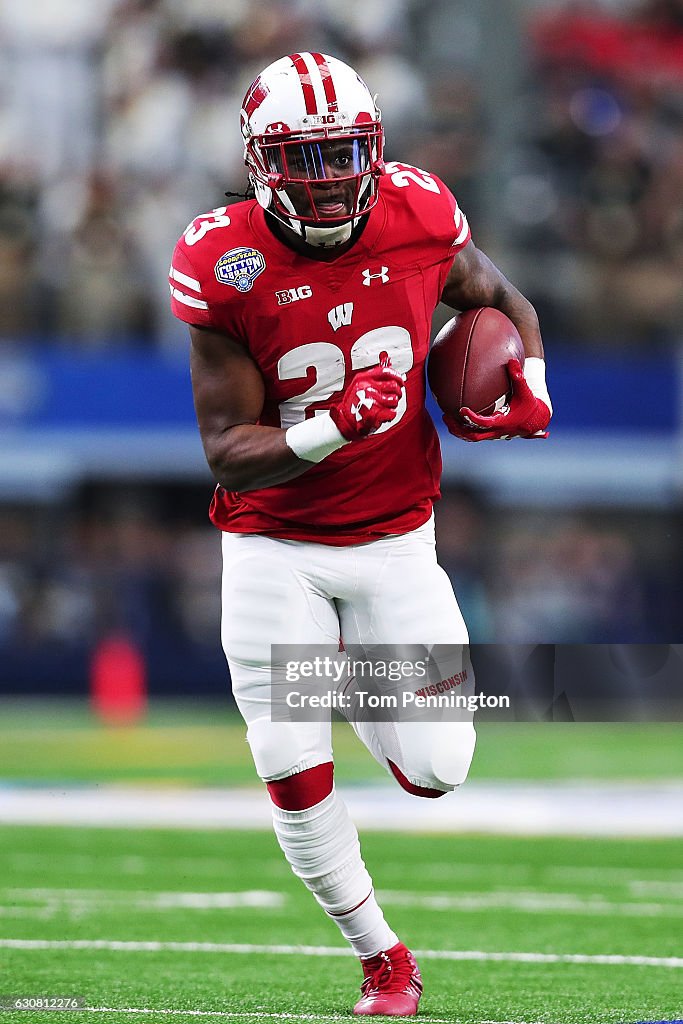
[(562, 143), (559, 128)]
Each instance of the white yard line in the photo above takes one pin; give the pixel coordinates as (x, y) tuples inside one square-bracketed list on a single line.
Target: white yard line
[(333, 951), (138, 864), (32, 912), (98, 898), (529, 902), (616, 876), (661, 881), (37, 901), (558, 808), (672, 890)]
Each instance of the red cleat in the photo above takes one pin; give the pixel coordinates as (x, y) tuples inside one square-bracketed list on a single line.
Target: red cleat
[(392, 985)]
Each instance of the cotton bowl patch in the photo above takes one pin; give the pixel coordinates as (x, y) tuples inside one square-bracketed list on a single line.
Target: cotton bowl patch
[(240, 267)]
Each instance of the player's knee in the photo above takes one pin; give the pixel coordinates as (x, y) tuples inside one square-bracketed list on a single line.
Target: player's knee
[(412, 787), (441, 766), (281, 749), (452, 755), (276, 750)]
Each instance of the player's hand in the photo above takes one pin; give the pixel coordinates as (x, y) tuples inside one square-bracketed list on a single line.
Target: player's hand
[(370, 400), (526, 416), (465, 433)]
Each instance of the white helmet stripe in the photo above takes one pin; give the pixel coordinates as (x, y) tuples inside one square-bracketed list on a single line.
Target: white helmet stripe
[(328, 82), (304, 73), (316, 79)]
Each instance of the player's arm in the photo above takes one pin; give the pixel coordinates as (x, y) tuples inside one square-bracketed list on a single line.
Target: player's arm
[(474, 280), (229, 392)]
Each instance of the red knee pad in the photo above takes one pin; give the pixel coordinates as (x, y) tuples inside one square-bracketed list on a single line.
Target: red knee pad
[(305, 789), (410, 787)]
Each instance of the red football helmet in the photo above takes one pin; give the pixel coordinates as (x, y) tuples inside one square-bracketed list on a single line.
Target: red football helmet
[(313, 145)]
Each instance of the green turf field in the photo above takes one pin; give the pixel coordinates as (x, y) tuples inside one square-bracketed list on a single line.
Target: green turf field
[(442, 893), (181, 925), (206, 746)]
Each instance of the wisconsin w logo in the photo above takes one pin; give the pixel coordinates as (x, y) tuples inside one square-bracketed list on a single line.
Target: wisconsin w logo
[(340, 316)]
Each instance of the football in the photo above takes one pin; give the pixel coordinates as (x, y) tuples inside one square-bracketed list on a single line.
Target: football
[(468, 361)]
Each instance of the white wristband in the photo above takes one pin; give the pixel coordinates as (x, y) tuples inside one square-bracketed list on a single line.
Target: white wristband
[(534, 374), (314, 439)]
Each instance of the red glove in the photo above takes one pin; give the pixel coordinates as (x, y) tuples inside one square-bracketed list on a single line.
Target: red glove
[(527, 415), (461, 430), (370, 400)]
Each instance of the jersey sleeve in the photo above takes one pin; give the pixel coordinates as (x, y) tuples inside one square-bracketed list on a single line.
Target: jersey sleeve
[(450, 229), (454, 232), (447, 227), (188, 301), (462, 228), (436, 217)]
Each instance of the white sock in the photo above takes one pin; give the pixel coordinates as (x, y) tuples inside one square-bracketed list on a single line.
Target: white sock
[(365, 928), (322, 847)]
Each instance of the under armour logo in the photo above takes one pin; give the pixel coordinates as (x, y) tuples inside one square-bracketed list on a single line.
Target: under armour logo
[(364, 402), (383, 276)]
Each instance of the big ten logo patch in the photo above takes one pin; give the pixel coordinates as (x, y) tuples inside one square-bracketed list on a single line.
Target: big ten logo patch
[(304, 291)]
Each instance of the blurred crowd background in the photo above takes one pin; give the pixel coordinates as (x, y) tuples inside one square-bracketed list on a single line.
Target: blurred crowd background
[(559, 126)]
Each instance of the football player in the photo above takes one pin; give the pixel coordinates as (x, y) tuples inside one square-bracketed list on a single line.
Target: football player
[(309, 307)]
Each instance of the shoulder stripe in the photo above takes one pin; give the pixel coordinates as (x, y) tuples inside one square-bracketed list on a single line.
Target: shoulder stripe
[(461, 226), (187, 300), (189, 282)]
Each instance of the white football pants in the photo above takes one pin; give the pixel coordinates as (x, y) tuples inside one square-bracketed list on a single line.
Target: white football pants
[(389, 591)]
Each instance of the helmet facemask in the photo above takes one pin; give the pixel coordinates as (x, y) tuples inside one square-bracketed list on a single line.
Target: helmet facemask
[(319, 183)]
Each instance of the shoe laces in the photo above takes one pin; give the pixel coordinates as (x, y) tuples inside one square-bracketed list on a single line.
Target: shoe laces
[(386, 974)]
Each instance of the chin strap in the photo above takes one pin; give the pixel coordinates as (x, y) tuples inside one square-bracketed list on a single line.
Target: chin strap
[(312, 234), (323, 237), (319, 236)]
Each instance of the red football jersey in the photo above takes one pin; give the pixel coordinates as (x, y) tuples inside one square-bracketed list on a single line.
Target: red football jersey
[(310, 325)]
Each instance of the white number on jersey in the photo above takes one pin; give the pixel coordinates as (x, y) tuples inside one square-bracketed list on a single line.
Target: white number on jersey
[(218, 218), (326, 361), (403, 174), (329, 367), (396, 342)]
